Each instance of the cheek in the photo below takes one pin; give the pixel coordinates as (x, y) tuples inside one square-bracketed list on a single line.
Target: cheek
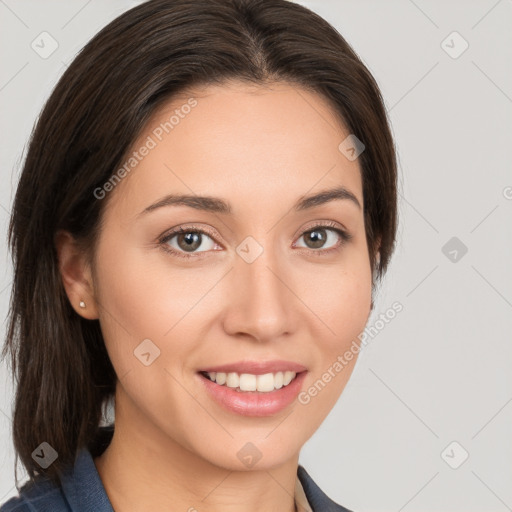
[(143, 300), (128, 300), (340, 297), (134, 290), (143, 296), (348, 307), (340, 304)]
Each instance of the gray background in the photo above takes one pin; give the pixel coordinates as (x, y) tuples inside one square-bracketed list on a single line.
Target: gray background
[(440, 371)]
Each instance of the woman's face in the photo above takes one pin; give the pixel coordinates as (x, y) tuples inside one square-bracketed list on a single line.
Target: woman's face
[(255, 287)]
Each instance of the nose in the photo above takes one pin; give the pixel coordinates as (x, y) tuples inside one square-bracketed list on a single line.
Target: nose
[(261, 303)]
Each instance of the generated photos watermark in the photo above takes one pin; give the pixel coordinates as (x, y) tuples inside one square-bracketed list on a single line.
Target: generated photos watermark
[(343, 360), (150, 143)]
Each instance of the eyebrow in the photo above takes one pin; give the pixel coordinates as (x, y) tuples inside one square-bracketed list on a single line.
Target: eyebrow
[(217, 205)]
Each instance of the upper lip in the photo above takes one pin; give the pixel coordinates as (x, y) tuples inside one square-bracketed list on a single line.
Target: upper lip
[(257, 367)]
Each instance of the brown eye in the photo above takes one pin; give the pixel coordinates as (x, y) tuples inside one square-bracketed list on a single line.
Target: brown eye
[(317, 238), (324, 237), (187, 240)]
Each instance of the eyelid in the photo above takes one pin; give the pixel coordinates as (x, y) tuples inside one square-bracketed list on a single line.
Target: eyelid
[(324, 224)]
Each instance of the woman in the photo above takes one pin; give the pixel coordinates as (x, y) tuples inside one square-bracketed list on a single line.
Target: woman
[(206, 206)]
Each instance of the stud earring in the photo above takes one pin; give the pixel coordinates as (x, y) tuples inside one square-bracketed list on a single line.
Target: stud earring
[(82, 304)]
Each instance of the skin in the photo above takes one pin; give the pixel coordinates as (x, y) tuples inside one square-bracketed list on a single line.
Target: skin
[(260, 149)]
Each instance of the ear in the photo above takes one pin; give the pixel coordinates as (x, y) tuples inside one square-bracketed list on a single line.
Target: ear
[(76, 275)]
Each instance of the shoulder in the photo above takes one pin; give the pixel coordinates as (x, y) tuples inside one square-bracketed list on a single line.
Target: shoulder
[(318, 500), (39, 495)]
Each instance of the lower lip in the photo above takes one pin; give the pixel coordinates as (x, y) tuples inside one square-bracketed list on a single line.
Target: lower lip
[(254, 403)]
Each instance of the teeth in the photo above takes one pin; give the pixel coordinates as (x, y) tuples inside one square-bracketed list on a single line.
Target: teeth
[(287, 378), (267, 382), (248, 382), (278, 380), (220, 378), (232, 380)]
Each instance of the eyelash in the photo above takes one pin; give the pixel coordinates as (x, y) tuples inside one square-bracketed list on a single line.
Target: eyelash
[(331, 226)]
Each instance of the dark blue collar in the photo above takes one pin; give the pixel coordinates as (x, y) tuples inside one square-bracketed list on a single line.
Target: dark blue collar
[(317, 499), (83, 488)]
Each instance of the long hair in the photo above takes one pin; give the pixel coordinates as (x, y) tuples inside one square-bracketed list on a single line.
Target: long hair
[(100, 105)]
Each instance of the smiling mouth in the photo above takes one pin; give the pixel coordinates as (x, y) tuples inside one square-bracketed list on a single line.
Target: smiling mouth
[(246, 382)]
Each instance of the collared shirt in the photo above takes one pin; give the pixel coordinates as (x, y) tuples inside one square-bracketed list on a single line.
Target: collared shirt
[(82, 490)]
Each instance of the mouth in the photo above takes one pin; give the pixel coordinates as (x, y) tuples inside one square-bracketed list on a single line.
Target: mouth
[(252, 383), (250, 394)]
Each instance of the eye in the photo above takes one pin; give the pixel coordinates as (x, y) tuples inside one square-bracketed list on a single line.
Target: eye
[(188, 240), (322, 234)]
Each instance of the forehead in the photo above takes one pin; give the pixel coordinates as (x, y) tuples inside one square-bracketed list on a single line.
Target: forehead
[(251, 144)]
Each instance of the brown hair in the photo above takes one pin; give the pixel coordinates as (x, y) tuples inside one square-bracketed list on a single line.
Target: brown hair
[(96, 111)]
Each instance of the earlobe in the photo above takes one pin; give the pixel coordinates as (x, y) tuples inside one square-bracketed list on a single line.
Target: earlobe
[(76, 275)]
